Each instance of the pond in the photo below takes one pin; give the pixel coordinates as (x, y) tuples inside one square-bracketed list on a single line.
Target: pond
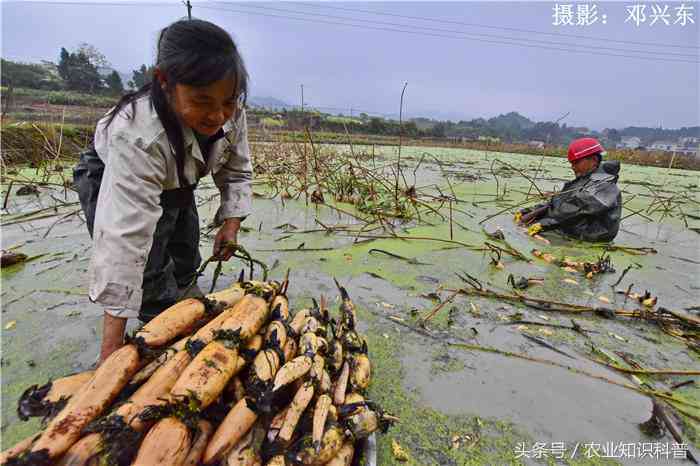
[(456, 405)]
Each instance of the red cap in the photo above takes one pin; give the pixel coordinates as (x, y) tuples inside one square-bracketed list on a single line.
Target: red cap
[(584, 147)]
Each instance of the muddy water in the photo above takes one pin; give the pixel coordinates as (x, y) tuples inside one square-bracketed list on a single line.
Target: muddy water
[(554, 404), (57, 329)]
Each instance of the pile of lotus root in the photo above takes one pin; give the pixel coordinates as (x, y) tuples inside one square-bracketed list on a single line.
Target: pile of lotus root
[(229, 379)]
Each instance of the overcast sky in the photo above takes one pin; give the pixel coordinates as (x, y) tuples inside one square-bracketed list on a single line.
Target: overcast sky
[(462, 60)]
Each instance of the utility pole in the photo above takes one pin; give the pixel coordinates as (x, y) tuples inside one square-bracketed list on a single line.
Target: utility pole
[(302, 105), (302, 99), (189, 9)]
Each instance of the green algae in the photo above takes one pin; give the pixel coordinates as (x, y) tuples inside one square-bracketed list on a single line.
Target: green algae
[(443, 362), (425, 433), (58, 364)]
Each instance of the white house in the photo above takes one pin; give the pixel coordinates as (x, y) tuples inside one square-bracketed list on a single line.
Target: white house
[(630, 143), (667, 146)]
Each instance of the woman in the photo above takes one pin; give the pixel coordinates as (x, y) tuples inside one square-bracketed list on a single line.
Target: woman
[(137, 186)]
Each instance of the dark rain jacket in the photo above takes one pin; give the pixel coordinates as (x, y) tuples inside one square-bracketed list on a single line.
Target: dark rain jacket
[(588, 208)]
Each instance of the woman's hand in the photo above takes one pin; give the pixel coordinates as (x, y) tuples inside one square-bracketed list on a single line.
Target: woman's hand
[(228, 233), (113, 329)]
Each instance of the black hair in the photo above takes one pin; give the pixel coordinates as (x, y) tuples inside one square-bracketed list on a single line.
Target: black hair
[(191, 52)]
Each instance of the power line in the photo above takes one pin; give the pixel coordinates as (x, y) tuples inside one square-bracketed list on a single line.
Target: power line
[(445, 36), (452, 31), (136, 3), (500, 42), (504, 28)]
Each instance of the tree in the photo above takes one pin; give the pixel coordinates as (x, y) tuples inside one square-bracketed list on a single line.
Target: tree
[(141, 77), (614, 135), (114, 84), (84, 76), (78, 72), (376, 126), (438, 131), (410, 128), (96, 57), (29, 75), (64, 64)]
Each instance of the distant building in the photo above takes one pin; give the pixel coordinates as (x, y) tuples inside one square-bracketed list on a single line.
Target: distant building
[(536, 144), (630, 143), (489, 139), (667, 146), (689, 141), (690, 148), (689, 151)]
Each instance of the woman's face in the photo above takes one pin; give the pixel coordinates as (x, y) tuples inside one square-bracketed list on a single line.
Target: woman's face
[(205, 109)]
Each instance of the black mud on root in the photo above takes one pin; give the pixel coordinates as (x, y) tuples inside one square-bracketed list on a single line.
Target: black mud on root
[(261, 390), (229, 338), (186, 409), (269, 401), (194, 346), (146, 353), (120, 442), (212, 307), (269, 449), (259, 395), (276, 313), (31, 458), (217, 411), (303, 449), (247, 354), (33, 404)]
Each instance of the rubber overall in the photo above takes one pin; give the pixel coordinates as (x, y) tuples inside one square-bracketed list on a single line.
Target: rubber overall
[(174, 257)]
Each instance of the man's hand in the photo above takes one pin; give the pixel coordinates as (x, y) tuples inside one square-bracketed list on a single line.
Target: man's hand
[(528, 218), (227, 233), (534, 229)]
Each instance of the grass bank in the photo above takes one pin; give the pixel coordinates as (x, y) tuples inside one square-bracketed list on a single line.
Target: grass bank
[(28, 142)]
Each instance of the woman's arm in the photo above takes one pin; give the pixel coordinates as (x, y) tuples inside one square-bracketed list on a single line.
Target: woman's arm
[(128, 209), (234, 182)]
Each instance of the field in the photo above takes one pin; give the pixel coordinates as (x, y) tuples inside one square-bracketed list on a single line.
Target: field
[(70, 109), (465, 370)]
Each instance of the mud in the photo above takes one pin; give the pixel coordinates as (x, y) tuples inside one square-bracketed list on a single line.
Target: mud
[(439, 390)]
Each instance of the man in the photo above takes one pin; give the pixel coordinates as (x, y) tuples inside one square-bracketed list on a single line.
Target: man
[(587, 208)]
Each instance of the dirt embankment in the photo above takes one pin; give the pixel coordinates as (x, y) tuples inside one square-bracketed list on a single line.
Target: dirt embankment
[(32, 142)]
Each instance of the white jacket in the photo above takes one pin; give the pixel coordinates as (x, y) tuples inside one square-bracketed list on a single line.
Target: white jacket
[(139, 165)]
